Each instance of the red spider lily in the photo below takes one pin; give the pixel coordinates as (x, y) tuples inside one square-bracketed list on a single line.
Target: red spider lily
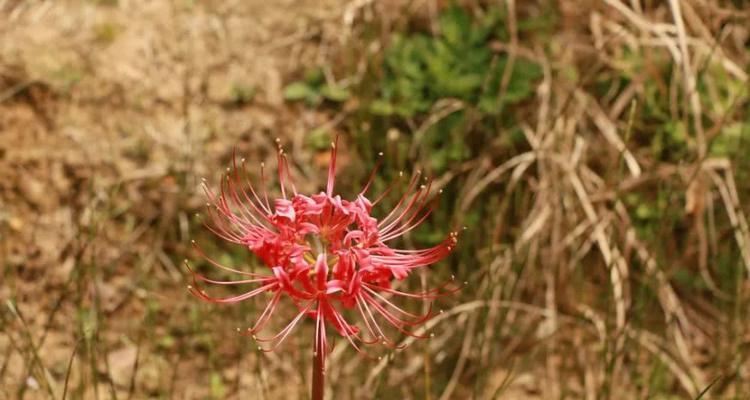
[(324, 253)]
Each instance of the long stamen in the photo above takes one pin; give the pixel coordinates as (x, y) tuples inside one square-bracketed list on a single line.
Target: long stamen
[(220, 266), (420, 318), (282, 335), (203, 296), (390, 318), (372, 174), (289, 174), (245, 178), (348, 331), (265, 316), (370, 315), (239, 177), (388, 188), (332, 168), (409, 188), (413, 208), (264, 185), (428, 294), (246, 212), (280, 162)]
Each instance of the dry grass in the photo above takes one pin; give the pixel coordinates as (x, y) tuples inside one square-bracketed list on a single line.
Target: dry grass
[(111, 112)]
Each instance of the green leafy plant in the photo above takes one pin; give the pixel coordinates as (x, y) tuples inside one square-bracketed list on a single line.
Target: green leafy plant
[(313, 89), (458, 63), (243, 94), (462, 64)]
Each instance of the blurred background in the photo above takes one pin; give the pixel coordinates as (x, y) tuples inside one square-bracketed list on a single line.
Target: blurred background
[(596, 151)]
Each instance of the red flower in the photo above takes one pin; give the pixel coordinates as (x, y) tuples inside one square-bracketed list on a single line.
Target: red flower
[(325, 254)]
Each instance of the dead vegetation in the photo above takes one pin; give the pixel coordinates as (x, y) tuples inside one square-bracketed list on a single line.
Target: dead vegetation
[(608, 249)]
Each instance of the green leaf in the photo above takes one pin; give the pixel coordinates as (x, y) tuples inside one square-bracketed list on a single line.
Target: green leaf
[(298, 91), (461, 86), (335, 93), (218, 390), (455, 25), (439, 159), (314, 76), (381, 107), (242, 94), (318, 139)]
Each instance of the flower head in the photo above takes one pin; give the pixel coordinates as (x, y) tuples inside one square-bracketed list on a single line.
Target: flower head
[(324, 254)]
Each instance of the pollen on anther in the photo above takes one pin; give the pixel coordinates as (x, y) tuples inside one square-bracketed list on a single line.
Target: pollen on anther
[(380, 154)]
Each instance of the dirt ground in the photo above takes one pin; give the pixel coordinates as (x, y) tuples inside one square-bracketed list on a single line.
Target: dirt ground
[(109, 114)]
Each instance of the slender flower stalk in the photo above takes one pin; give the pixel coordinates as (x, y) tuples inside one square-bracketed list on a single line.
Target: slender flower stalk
[(327, 256), (318, 373)]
